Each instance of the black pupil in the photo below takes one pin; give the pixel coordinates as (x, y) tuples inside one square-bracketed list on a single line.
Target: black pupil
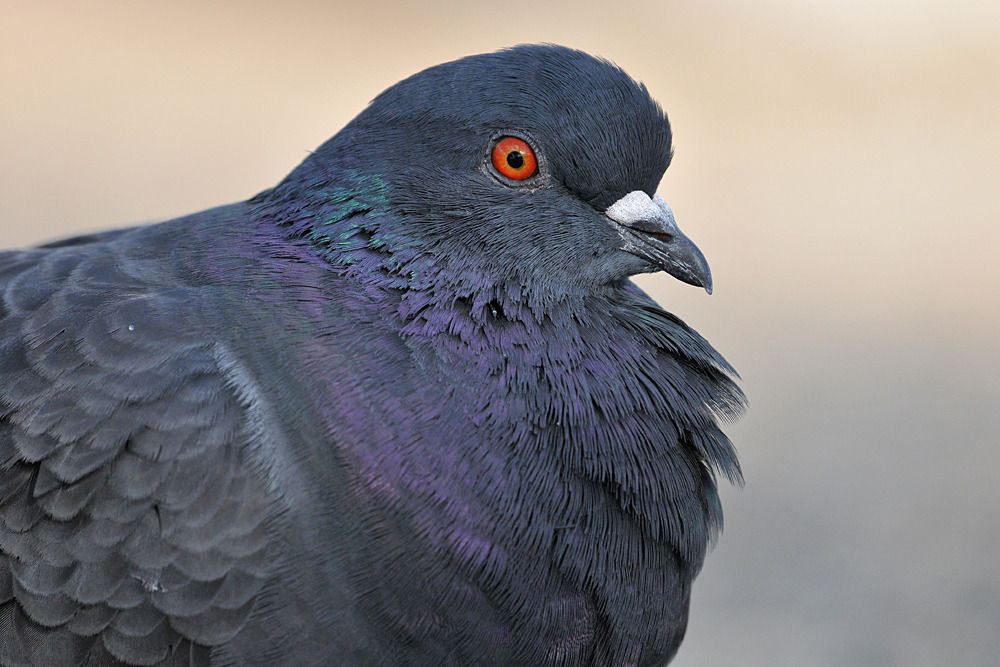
[(515, 159)]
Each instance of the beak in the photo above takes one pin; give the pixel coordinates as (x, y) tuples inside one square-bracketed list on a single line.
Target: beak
[(648, 230)]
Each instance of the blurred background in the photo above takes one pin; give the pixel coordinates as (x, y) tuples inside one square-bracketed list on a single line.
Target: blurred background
[(837, 161)]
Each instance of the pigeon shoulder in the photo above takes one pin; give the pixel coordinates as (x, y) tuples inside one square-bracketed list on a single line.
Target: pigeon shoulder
[(135, 525)]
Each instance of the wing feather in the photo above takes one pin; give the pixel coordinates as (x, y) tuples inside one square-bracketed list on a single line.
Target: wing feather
[(132, 530)]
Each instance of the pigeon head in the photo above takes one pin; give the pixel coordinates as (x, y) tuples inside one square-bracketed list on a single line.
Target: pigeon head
[(532, 169)]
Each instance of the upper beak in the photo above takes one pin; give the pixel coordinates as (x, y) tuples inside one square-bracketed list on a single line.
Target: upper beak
[(648, 230)]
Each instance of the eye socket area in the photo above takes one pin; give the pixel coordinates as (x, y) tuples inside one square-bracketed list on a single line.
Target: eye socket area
[(513, 158)]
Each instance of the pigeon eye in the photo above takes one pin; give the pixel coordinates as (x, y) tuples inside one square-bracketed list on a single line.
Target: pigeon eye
[(514, 158)]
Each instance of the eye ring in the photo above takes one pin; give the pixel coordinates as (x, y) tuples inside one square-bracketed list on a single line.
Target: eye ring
[(514, 158)]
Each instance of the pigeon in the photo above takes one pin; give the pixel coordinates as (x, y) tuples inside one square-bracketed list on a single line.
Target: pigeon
[(404, 408)]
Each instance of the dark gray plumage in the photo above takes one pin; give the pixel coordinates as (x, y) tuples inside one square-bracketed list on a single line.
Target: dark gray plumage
[(403, 409)]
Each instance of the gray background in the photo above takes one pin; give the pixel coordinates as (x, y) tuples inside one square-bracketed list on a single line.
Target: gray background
[(838, 163)]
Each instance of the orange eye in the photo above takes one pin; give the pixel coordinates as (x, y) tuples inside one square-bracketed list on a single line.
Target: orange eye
[(514, 158)]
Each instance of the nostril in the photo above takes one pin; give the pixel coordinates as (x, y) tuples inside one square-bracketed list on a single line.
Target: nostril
[(653, 228)]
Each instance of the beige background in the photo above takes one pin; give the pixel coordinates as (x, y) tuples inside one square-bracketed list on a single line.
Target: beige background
[(838, 163)]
